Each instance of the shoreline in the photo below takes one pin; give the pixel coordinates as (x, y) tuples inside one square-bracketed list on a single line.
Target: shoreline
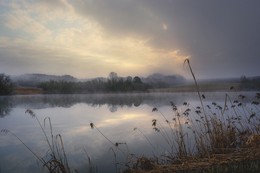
[(244, 159), (226, 87)]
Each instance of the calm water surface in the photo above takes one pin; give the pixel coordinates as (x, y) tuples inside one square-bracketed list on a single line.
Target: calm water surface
[(115, 115)]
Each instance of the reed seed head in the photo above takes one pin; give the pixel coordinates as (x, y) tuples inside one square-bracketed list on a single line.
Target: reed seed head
[(91, 125)]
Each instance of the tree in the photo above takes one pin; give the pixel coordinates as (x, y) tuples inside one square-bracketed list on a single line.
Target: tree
[(6, 85), (250, 83), (137, 80), (113, 76), (129, 78), (112, 81), (138, 84)]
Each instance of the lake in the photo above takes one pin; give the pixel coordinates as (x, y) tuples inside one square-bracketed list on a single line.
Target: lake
[(125, 119)]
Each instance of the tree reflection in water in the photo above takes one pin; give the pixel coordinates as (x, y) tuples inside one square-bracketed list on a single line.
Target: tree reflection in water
[(5, 106)]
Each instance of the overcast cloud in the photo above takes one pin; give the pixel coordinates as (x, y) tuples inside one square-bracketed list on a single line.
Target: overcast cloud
[(90, 38)]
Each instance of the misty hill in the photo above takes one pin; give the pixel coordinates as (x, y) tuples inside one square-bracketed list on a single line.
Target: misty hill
[(242, 83), (158, 80), (242, 79), (33, 80)]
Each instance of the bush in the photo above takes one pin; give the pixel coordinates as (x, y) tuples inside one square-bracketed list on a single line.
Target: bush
[(6, 85)]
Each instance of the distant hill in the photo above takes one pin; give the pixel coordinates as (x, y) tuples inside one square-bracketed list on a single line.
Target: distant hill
[(33, 80)]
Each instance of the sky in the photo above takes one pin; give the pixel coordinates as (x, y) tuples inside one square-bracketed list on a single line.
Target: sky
[(91, 38)]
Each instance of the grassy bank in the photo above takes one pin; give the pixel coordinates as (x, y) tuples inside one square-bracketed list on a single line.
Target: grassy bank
[(27, 91), (206, 87), (209, 87), (240, 161)]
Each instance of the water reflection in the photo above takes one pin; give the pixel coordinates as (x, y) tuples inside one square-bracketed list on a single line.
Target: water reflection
[(5, 106), (46, 101), (113, 101), (115, 115)]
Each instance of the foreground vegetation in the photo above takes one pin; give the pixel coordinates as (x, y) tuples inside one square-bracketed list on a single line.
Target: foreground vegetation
[(55, 160), (219, 138), (216, 138)]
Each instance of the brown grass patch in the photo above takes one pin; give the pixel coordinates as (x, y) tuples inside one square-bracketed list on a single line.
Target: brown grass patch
[(27, 91), (242, 160)]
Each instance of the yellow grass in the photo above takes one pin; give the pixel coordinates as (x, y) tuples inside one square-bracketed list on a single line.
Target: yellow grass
[(27, 91), (243, 159)]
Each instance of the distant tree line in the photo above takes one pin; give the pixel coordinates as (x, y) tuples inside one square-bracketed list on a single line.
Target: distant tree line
[(249, 83), (6, 85), (111, 84)]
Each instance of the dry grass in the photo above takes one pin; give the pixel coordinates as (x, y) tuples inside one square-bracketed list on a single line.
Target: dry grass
[(244, 160), (27, 91), (225, 137)]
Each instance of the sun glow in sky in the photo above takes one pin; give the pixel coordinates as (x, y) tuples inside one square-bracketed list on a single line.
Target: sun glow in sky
[(87, 38)]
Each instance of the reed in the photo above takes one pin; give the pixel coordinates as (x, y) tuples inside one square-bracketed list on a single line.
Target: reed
[(55, 161), (229, 130), (115, 148)]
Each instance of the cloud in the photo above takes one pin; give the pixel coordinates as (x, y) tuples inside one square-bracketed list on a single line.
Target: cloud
[(221, 33), (68, 43), (131, 37), (122, 17)]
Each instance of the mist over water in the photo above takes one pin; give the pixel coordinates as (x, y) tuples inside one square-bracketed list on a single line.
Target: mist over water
[(116, 115)]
